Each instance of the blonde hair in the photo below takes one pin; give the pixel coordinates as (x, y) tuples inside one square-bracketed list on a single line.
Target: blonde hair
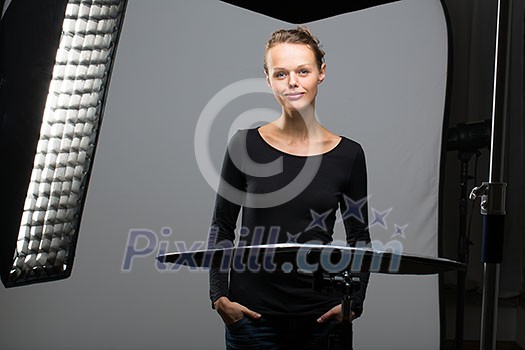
[(298, 35)]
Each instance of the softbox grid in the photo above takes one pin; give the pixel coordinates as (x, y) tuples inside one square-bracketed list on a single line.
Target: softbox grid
[(52, 209)]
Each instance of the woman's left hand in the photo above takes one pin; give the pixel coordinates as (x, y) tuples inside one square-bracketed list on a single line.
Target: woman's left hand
[(334, 313)]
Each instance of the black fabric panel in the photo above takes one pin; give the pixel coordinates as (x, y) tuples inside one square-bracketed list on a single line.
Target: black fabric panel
[(301, 14)]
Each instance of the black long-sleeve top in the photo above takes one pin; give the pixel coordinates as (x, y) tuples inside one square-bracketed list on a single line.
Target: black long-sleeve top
[(320, 185)]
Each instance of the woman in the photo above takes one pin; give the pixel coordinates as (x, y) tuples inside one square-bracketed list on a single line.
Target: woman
[(279, 309)]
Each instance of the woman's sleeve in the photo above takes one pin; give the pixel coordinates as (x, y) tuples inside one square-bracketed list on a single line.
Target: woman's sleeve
[(354, 211), (224, 218)]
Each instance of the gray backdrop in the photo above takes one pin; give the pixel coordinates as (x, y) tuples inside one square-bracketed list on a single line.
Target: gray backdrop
[(385, 88)]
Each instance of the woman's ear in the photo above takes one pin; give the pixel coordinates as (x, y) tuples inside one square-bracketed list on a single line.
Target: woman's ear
[(322, 73)]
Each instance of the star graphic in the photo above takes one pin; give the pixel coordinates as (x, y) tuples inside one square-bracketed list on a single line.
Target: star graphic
[(318, 219), (379, 217), (292, 238), (353, 208), (400, 231)]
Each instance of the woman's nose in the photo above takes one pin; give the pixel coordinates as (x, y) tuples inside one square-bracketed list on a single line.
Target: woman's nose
[(292, 80)]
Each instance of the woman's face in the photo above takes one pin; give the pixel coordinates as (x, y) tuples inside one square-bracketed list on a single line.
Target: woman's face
[(293, 75)]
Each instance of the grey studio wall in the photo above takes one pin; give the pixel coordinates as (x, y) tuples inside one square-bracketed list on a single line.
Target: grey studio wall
[(385, 88)]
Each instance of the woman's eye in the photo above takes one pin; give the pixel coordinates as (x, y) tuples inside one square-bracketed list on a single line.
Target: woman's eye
[(279, 74), (304, 71)]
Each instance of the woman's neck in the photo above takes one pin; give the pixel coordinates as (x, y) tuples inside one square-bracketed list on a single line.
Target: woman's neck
[(299, 125)]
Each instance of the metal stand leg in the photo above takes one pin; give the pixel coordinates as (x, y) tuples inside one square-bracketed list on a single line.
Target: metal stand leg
[(346, 305), (463, 248), (489, 308)]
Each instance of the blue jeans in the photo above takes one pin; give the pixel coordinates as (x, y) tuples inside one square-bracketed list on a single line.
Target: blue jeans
[(281, 333)]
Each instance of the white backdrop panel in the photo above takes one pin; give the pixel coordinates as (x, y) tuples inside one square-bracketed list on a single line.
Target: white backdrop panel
[(385, 88)]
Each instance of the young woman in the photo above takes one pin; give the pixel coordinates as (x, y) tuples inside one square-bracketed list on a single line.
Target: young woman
[(279, 309)]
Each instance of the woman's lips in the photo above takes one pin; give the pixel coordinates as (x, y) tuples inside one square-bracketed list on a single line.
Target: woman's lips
[(294, 96)]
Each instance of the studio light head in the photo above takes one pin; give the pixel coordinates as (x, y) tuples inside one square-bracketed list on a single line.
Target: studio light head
[(469, 137)]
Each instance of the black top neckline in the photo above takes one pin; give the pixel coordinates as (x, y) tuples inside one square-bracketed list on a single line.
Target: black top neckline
[(297, 155)]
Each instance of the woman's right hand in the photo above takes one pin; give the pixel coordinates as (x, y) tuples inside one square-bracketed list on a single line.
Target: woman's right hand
[(231, 312)]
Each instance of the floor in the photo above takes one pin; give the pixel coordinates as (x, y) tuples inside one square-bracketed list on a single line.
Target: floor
[(511, 321)]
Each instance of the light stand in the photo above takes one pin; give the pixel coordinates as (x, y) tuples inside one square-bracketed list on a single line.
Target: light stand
[(464, 244), (493, 192), (345, 283), (467, 139)]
